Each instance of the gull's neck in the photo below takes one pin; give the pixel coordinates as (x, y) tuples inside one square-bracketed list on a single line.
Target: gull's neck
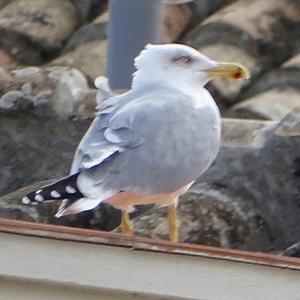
[(144, 81)]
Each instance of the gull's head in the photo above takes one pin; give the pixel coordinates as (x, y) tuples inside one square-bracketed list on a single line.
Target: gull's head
[(179, 65)]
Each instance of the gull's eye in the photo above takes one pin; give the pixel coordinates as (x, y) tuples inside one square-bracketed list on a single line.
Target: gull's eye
[(184, 59)]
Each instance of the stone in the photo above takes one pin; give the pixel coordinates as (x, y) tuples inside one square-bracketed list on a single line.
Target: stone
[(209, 217), (26, 88), (255, 20), (69, 92), (3, 2), (290, 127), (25, 83), (43, 147), (204, 8), (29, 73), (31, 29), (263, 170), (86, 49), (89, 9), (86, 108), (270, 105), (88, 33), (50, 91), (293, 62), (42, 98), (7, 60), (246, 134), (6, 80), (11, 100), (293, 251), (285, 77), (89, 58), (175, 21)]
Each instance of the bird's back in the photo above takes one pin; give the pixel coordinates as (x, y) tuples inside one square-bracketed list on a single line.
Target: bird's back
[(174, 138)]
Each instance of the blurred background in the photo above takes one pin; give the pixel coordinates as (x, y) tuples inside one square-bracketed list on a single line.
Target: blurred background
[(51, 51)]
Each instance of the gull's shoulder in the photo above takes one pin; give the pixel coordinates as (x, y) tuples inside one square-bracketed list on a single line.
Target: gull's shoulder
[(149, 93), (151, 97)]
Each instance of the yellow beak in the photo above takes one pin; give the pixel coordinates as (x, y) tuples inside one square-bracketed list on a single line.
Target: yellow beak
[(229, 71)]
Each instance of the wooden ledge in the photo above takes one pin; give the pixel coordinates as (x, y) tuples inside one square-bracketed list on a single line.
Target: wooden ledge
[(137, 243)]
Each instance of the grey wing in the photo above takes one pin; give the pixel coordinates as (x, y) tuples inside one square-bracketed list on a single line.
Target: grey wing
[(158, 143), (93, 148), (96, 144)]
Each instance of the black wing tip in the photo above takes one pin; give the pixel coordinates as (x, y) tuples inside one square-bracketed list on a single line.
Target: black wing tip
[(33, 197), (65, 188)]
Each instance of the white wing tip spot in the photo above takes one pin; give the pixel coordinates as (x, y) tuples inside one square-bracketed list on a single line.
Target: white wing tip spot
[(25, 200), (70, 189), (57, 215), (60, 213), (55, 194), (39, 198)]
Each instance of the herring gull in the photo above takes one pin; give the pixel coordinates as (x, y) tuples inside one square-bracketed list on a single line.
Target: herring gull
[(151, 143)]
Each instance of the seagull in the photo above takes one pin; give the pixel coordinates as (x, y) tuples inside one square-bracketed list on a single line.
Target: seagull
[(147, 145)]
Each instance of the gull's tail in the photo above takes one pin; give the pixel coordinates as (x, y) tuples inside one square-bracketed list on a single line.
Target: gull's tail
[(65, 188)]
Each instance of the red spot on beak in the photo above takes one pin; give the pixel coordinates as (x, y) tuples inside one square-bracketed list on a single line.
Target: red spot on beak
[(237, 75)]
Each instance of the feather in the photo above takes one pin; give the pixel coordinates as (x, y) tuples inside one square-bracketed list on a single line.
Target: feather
[(64, 188)]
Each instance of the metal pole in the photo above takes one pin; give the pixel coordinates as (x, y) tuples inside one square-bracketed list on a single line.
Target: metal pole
[(132, 24)]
